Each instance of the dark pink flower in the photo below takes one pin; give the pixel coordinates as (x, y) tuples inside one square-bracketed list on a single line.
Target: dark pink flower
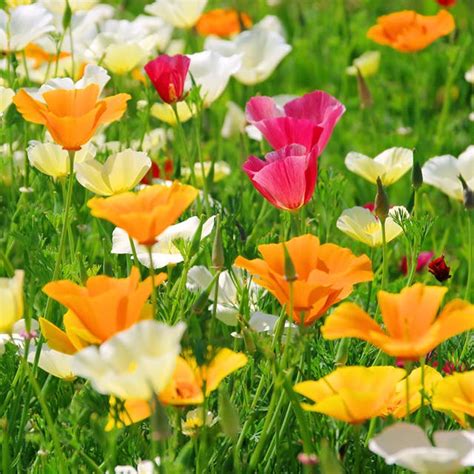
[(286, 177), (307, 120), (439, 269), (423, 260), (168, 75)]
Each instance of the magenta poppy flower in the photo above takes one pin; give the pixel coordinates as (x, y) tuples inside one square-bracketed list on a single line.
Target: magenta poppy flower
[(168, 75), (423, 260), (286, 177), (307, 120)]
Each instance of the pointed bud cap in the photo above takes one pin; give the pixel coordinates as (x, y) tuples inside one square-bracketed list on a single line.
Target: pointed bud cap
[(290, 272), (468, 194), (382, 205), (416, 175)]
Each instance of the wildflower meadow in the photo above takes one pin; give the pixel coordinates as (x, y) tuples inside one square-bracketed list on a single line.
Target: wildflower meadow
[(236, 236)]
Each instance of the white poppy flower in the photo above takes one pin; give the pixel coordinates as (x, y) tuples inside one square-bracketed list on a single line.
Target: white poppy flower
[(443, 172), (367, 63), (261, 51), (58, 6), (469, 76), (164, 252), (154, 25), (390, 165), (212, 72), (121, 172), (408, 446), (6, 97), (234, 121), (271, 23), (54, 362), (23, 25), (263, 322), (360, 224), (179, 13), (135, 363)]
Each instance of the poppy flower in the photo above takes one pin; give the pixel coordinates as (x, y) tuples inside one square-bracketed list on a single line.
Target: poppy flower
[(179, 13), (72, 116), (411, 328), (286, 178), (104, 307), (408, 31), (146, 214), (439, 269), (367, 64), (421, 262), (308, 120), (168, 76), (455, 395), (352, 394), (446, 3), (222, 22), (325, 274), (11, 296)]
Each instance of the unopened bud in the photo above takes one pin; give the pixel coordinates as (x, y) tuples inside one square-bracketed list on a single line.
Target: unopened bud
[(200, 305), (67, 16), (416, 175), (382, 205), (228, 415), (218, 259), (342, 352), (194, 248), (290, 272), (365, 96), (468, 195)]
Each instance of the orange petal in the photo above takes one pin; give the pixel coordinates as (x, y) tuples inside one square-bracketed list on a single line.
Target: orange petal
[(56, 338), (72, 102), (115, 107), (224, 363), (132, 411), (32, 110)]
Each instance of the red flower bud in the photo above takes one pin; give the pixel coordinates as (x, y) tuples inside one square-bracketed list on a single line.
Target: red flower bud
[(446, 3), (439, 269), (422, 261)]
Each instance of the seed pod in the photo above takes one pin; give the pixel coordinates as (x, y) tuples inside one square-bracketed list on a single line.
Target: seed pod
[(218, 259), (290, 272), (365, 96), (416, 175), (382, 205)]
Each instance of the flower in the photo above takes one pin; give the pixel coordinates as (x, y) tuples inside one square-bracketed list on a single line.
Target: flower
[(439, 269), (408, 446), (325, 274), (186, 385), (367, 64), (58, 6), (168, 75), (361, 224), (411, 326), (219, 169), (6, 97), (71, 113), (287, 177), (234, 121), (211, 71), (421, 262), (11, 296), (23, 25), (446, 3), (165, 113), (53, 160), (469, 75), (120, 172), (135, 363), (164, 252), (308, 120), (104, 307), (261, 52), (143, 467), (146, 214), (455, 395), (408, 31), (194, 420), (390, 165), (222, 22), (443, 172), (352, 394), (179, 13)]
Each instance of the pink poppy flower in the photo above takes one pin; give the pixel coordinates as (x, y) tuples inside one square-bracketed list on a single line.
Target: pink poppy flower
[(423, 260), (307, 120), (286, 177), (168, 75)]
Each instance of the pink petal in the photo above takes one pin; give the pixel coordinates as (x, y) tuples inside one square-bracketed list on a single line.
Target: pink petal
[(261, 108)]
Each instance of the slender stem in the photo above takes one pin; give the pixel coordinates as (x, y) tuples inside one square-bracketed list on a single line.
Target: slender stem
[(384, 255), (357, 447), (407, 393), (184, 145), (152, 275), (470, 243), (134, 252)]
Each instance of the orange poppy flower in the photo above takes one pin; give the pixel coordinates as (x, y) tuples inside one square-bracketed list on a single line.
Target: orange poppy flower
[(41, 56), (352, 394), (411, 326), (455, 395), (104, 307), (186, 386), (72, 116), (408, 31), (146, 214), (325, 274), (222, 22)]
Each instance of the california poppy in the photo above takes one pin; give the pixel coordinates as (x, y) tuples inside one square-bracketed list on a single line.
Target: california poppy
[(104, 307), (411, 326), (325, 274), (72, 116), (222, 22), (408, 31), (146, 214)]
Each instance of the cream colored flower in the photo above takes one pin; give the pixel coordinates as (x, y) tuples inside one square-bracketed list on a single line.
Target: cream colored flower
[(234, 121), (179, 13), (136, 363), (469, 76), (195, 419), (6, 96), (360, 224), (368, 64), (221, 170), (390, 165), (53, 160), (58, 6), (165, 113), (121, 172), (11, 297), (54, 362), (443, 172)]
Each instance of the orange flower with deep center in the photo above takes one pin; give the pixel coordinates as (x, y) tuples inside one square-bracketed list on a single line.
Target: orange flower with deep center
[(408, 31), (222, 22), (325, 274), (411, 327), (146, 214), (104, 307), (72, 116)]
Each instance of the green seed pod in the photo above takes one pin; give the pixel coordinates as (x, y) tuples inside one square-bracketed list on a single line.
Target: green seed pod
[(416, 175), (382, 205), (67, 16), (290, 272)]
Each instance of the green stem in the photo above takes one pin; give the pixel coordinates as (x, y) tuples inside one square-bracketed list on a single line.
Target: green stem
[(152, 275), (470, 244), (384, 255), (134, 252)]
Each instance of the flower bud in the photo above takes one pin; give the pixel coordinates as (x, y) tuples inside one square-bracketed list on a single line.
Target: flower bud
[(196, 242), (365, 96), (468, 195), (439, 269), (382, 205), (228, 415), (11, 296), (218, 259), (342, 352), (290, 272), (416, 175)]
